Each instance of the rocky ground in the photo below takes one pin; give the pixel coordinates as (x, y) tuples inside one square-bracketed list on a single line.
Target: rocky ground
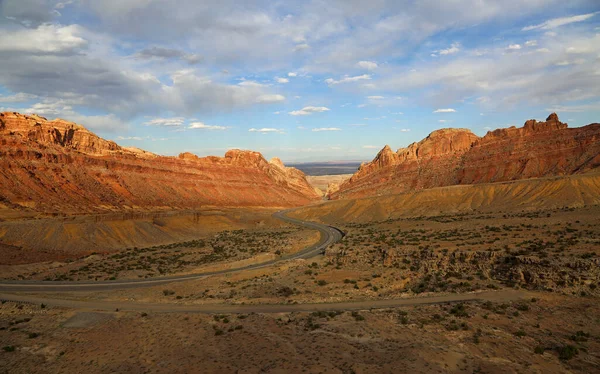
[(548, 334)]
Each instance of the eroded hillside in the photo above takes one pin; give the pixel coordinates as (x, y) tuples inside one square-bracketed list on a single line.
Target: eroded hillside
[(457, 157), (61, 167)]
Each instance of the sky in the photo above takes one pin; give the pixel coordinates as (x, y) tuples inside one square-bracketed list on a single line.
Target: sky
[(321, 80)]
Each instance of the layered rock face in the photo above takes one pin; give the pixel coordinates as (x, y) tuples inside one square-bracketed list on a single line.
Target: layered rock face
[(457, 156), (61, 167)]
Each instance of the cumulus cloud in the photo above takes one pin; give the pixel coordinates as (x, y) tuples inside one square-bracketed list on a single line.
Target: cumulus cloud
[(301, 47), (557, 22), (308, 110), (282, 80), (162, 53), (375, 97), (47, 39), (269, 99), (513, 47), (17, 98), (326, 129), (368, 65), (449, 110), (404, 130), (454, 48), (292, 74), (531, 43), (371, 146), (203, 126), (267, 130), (347, 79), (175, 121)]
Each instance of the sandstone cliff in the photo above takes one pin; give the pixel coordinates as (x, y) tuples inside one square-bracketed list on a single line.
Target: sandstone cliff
[(61, 167), (457, 156)]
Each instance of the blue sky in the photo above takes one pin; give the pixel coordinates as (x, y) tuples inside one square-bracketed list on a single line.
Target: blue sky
[(301, 80)]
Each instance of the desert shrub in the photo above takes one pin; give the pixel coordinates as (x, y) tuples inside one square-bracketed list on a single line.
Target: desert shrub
[(459, 310), (168, 292), (33, 335), (520, 333), (321, 282), (539, 350), (567, 352), (580, 336), (9, 348), (357, 316)]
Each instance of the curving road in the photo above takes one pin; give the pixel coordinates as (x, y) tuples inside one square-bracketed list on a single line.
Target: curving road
[(329, 235)]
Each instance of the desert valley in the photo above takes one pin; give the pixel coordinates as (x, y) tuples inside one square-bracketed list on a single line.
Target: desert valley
[(457, 254), (327, 187)]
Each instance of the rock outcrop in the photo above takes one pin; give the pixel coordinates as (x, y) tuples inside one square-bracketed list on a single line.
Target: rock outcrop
[(457, 156), (61, 167)]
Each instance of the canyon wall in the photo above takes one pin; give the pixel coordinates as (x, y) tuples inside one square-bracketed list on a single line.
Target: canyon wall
[(61, 167), (458, 157)]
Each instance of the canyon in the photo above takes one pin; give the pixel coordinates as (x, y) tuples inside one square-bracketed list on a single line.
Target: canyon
[(459, 157), (59, 167)]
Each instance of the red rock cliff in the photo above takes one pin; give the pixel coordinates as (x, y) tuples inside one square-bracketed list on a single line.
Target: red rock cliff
[(58, 166), (457, 156)]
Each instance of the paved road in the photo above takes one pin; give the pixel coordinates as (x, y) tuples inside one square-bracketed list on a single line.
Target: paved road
[(496, 296), (329, 235)]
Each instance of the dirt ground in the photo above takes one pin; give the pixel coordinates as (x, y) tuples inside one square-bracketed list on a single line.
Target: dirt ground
[(551, 334), (551, 251)]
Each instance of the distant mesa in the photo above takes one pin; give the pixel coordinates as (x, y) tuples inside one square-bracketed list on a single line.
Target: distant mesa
[(61, 167), (457, 156)]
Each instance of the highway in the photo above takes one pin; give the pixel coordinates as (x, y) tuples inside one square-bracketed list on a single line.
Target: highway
[(18, 291), (329, 236)]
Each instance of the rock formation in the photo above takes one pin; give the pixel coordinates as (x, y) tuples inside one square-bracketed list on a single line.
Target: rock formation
[(457, 156), (61, 167)]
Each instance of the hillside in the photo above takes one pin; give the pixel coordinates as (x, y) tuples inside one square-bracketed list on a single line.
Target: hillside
[(458, 157), (61, 167), (516, 196)]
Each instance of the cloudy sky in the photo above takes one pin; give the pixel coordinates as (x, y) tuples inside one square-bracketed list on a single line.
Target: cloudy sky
[(302, 80)]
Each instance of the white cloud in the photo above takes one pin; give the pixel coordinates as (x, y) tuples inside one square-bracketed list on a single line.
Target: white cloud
[(347, 79), (176, 121), (282, 80), (247, 83), (326, 129), (371, 146), (267, 99), (593, 107), (267, 130), (368, 65), (128, 138), (162, 53), (404, 130), (531, 43), (513, 47), (454, 48), (309, 110), (202, 126), (450, 110), (442, 120), (375, 97), (557, 22), (292, 74), (301, 47), (47, 39), (17, 98)]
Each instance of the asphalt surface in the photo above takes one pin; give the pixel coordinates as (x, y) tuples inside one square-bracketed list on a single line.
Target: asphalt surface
[(329, 235)]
